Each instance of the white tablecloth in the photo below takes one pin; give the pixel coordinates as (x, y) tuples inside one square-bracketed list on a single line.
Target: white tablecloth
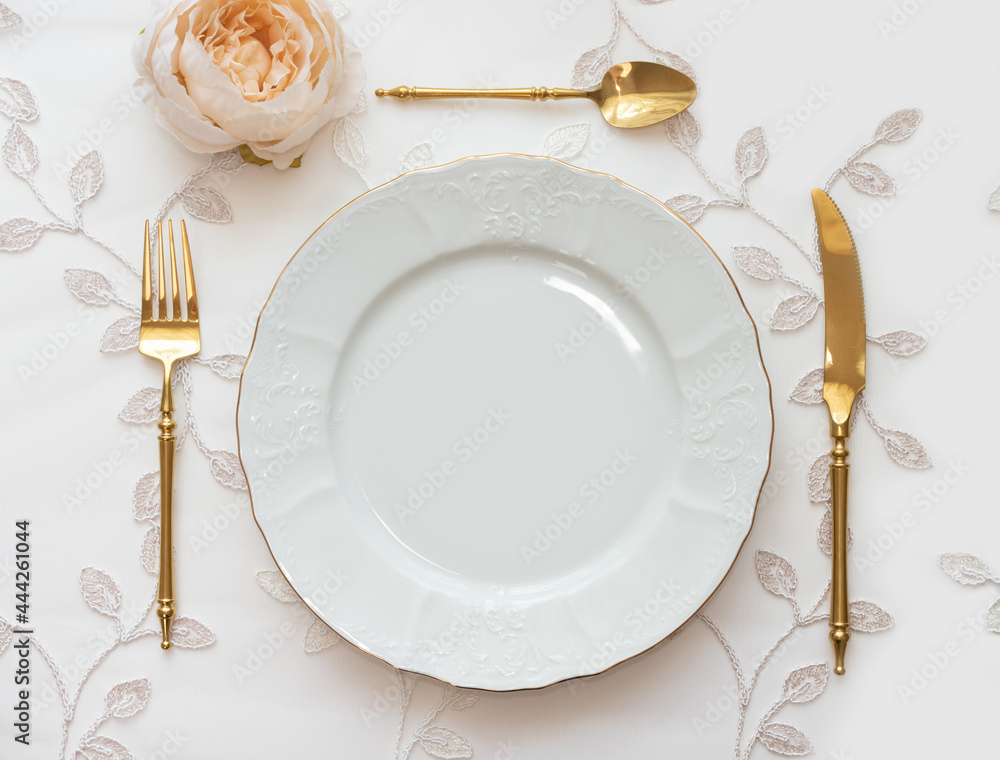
[(794, 91)]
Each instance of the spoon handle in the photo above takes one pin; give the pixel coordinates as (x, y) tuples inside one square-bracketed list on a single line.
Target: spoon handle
[(522, 93)]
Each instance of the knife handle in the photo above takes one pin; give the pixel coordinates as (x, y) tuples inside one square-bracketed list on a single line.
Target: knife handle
[(840, 613)]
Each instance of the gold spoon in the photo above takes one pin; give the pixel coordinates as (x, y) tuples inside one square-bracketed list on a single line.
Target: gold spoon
[(634, 94)]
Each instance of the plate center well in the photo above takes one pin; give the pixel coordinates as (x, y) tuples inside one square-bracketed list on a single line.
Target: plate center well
[(507, 417)]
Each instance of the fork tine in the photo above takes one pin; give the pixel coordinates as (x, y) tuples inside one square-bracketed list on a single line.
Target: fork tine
[(161, 306), (147, 287), (192, 296), (173, 273)]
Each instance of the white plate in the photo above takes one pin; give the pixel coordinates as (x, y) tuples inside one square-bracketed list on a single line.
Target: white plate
[(505, 422)]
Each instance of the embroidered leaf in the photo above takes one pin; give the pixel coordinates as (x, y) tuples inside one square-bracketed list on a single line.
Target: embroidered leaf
[(362, 103), (149, 555), (274, 583), (443, 743), (229, 366), (869, 618), (19, 233), (819, 480), (8, 18), (105, 748), (338, 9), (349, 144), (188, 633), (566, 142), (824, 534), (122, 334), (869, 178), (967, 569), (417, 157), (206, 203), (757, 262), (776, 573), (898, 126), (6, 634), (19, 152), (786, 740), (993, 618), (794, 312), (994, 202), (146, 497), (89, 286), (461, 699), (751, 153), (227, 470), (100, 591), (809, 390), (86, 177), (688, 207), (227, 161), (590, 67), (905, 449), (805, 684), (319, 636), (901, 342), (143, 407), (684, 131), (16, 101), (126, 699)]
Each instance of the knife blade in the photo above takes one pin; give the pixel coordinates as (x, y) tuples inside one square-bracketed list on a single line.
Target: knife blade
[(843, 379)]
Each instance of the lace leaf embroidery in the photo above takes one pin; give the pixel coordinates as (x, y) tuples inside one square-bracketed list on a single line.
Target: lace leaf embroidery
[(121, 335), (751, 153), (967, 569), (898, 126), (870, 179), (8, 18), (226, 468), (274, 583), (149, 554), (128, 698), (417, 157), (443, 743), (684, 131), (91, 287), (795, 311), (319, 636), (785, 740), (16, 100), (146, 497), (868, 617), (188, 633), (689, 207), (461, 699), (824, 533), (18, 234), (566, 142), (994, 202), (349, 144), (100, 591), (806, 683), (818, 480), (757, 262), (993, 617), (776, 573), (6, 634), (229, 366), (809, 390), (206, 203), (590, 67), (104, 748), (86, 177), (143, 407), (901, 342), (19, 152)]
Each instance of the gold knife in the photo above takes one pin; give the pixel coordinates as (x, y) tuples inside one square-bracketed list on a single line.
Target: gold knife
[(843, 379)]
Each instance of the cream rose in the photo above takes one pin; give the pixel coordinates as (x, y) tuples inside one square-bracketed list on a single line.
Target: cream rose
[(265, 73)]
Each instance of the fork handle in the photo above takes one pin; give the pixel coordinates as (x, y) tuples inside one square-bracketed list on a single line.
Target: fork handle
[(167, 440)]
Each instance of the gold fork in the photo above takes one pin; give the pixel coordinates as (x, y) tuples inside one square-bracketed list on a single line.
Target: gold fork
[(168, 338)]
